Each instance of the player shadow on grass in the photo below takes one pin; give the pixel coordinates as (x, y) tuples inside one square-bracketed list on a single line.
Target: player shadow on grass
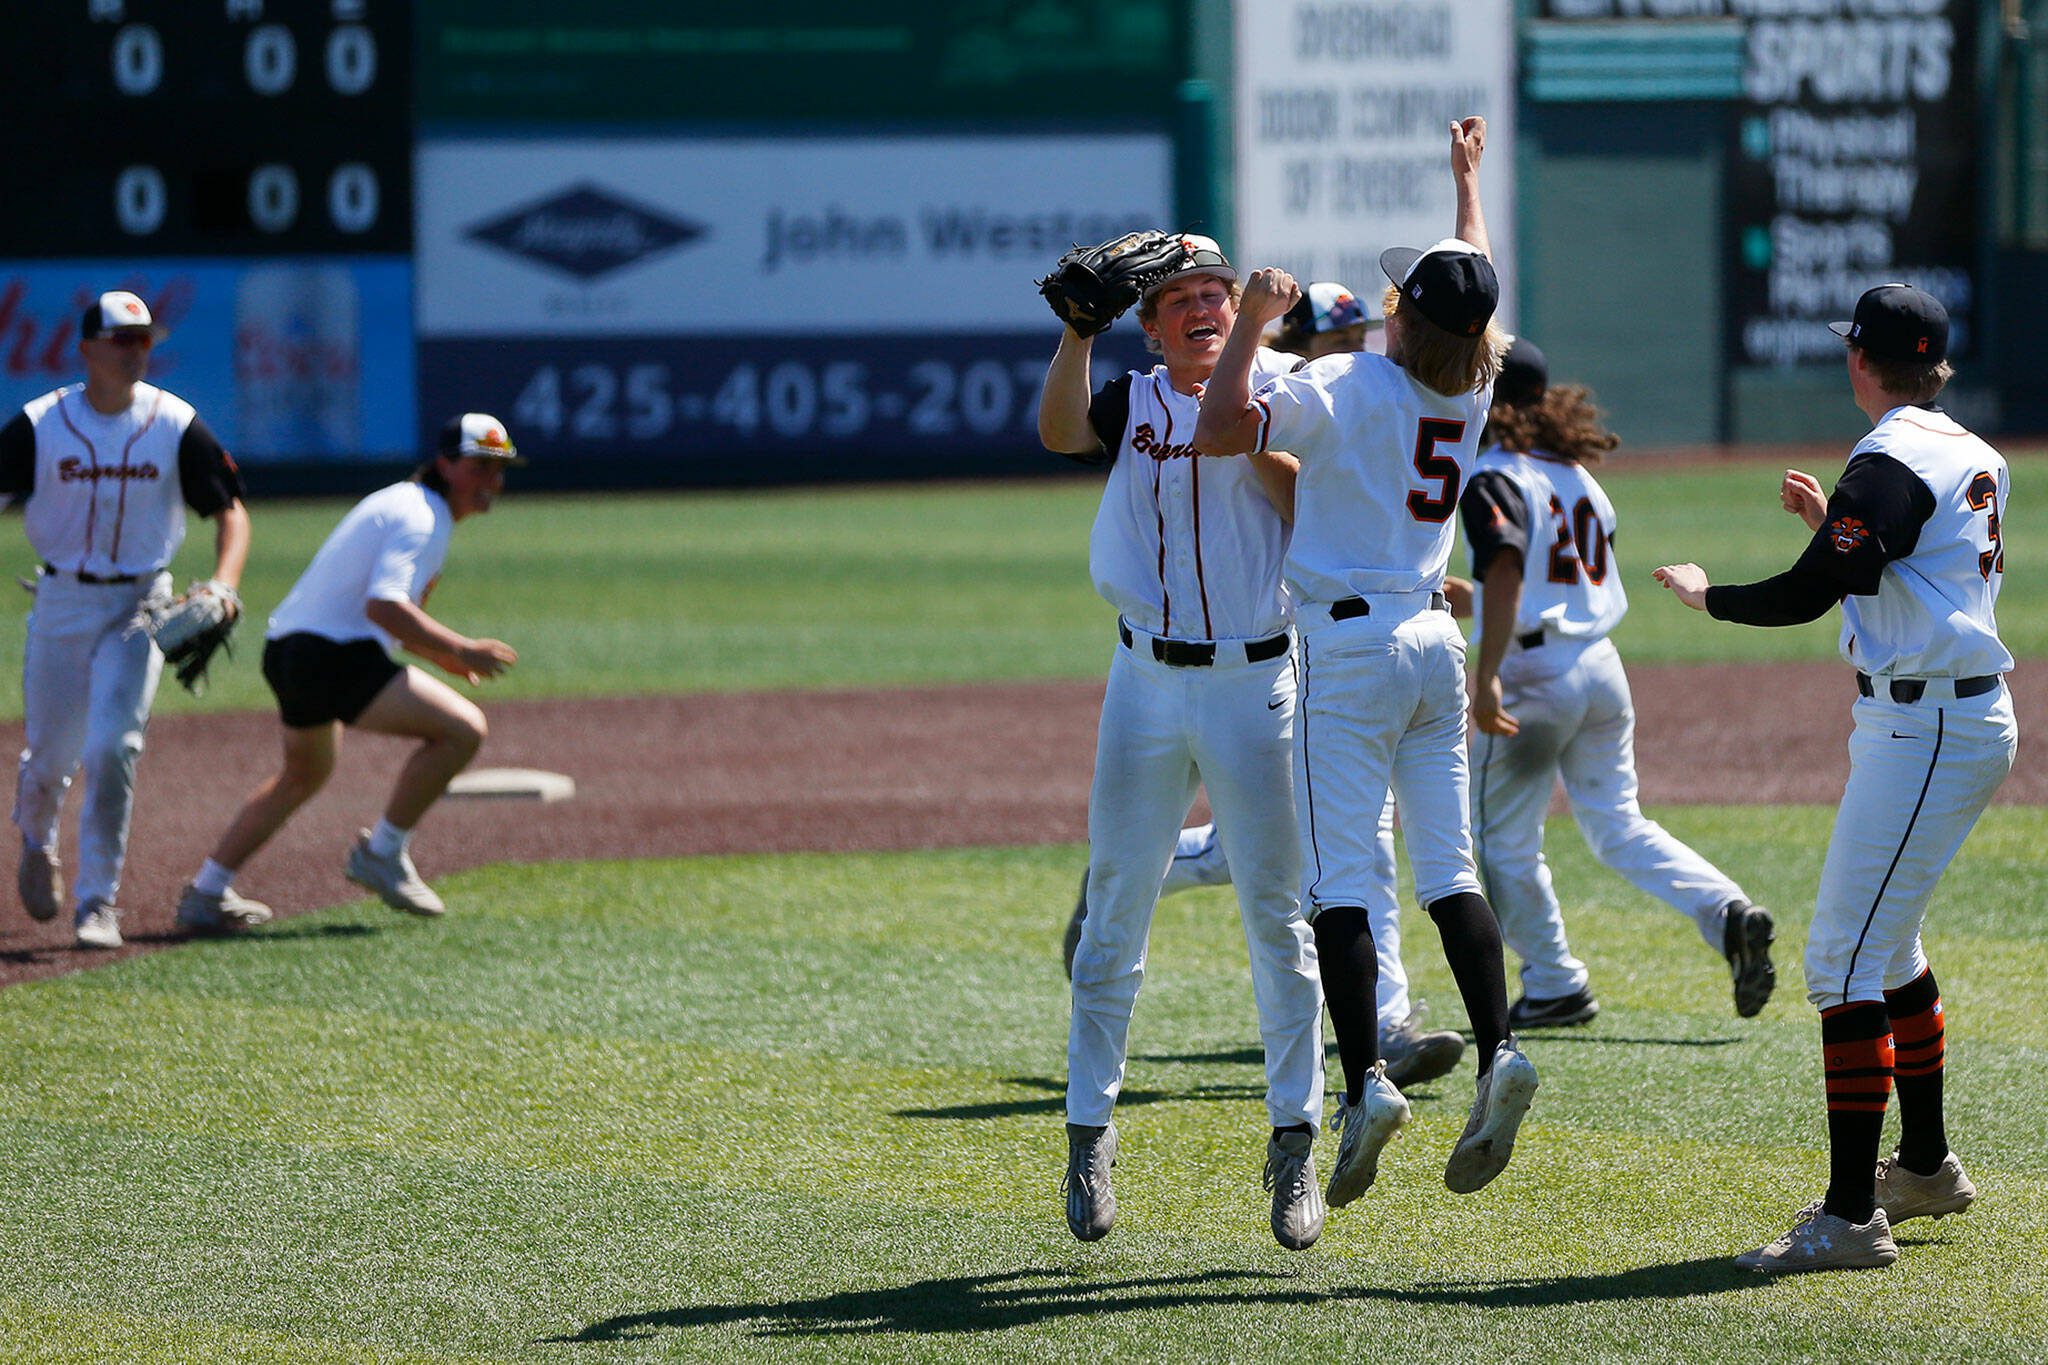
[(1021, 1298), (1053, 1100)]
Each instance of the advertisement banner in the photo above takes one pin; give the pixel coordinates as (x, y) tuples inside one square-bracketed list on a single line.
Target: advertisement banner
[(709, 237), (290, 360), (1343, 115)]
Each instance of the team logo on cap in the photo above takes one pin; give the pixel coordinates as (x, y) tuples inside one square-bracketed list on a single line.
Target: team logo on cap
[(1846, 533), (494, 438)]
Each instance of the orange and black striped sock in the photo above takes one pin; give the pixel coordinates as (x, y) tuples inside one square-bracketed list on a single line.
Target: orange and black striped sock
[(1916, 1015), (1856, 1049)]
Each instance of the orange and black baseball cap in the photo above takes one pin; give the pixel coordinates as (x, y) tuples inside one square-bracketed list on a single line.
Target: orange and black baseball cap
[(1898, 322), (478, 434), (1451, 283), (116, 311)]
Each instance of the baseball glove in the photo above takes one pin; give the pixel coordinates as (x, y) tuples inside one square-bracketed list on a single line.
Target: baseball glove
[(1091, 286), (192, 627)]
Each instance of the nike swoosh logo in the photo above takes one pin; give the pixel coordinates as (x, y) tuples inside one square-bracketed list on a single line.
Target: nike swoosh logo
[(1897, 735), (1276, 705)]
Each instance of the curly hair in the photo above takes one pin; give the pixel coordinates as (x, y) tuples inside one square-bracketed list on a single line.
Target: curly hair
[(1564, 422), (1439, 360)]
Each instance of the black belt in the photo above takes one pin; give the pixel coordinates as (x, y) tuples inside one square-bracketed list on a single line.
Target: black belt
[(93, 578), (1202, 653), (1912, 689), (1531, 640), (1344, 608)]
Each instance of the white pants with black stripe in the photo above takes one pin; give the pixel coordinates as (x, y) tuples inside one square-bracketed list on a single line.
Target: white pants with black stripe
[(1920, 774), (88, 677), (1228, 727)]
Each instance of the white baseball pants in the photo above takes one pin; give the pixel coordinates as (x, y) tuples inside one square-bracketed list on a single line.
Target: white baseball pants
[(1919, 776), (88, 677), (1382, 706), (1578, 722), (1164, 729)]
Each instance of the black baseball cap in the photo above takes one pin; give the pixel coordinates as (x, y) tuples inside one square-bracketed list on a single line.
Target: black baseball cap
[(1524, 374), (117, 310), (1898, 322), (1451, 283)]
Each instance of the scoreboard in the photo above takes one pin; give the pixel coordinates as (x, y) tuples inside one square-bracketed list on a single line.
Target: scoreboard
[(141, 128)]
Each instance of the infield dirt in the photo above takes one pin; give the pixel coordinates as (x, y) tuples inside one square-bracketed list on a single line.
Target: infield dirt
[(835, 771)]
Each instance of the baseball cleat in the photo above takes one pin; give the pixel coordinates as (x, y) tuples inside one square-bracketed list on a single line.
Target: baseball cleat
[(395, 880), (1363, 1132), (1903, 1194), (1821, 1241), (1503, 1097), (1413, 1056), (1091, 1201), (226, 913), (1297, 1203), (1557, 1011), (99, 926), (1074, 921), (1746, 943), (40, 879)]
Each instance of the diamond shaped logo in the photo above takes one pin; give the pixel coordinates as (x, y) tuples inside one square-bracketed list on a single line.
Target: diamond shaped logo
[(586, 232)]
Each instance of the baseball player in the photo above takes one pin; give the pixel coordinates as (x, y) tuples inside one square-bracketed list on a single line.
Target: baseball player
[(1909, 544), (1382, 445), (327, 657), (1328, 319), (1188, 551), (105, 470), (1551, 700)]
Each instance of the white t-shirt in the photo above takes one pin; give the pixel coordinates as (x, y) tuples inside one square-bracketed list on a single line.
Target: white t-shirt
[(389, 548), (1383, 459)]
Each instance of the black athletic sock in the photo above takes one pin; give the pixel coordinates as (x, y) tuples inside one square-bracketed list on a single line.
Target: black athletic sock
[(1350, 969), (1294, 1128), (1856, 1051), (1471, 938), (1920, 1054)]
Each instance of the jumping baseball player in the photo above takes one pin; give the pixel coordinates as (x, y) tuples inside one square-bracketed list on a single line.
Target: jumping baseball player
[(1328, 319), (106, 470), (1383, 444), (1188, 551), (328, 659), (1551, 700), (1909, 544)]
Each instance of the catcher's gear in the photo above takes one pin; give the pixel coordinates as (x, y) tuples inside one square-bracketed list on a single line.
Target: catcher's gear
[(1091, 286), (189, 629)]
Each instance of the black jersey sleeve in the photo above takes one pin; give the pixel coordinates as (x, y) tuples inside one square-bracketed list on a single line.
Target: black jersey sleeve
[(1874, 516), (1496, 518), (206, 472), (1792, 598), (18, 457), (1109, 412)]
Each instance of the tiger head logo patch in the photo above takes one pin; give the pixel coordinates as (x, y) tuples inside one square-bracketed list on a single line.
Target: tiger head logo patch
[(1846, 533)]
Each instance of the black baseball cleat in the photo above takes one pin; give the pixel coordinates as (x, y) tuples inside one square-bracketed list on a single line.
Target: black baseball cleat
[(1746, 942), (1073, 937), (1557, 1011)]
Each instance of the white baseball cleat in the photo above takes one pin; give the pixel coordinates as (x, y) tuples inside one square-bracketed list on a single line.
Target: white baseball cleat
[(1363, 1131), (1503, 1097), (100, 927), (40, 879), (226, 913), (1413, 1056), (1297, 1203), (1904, 1194), (395, 880), (1821, 1241)]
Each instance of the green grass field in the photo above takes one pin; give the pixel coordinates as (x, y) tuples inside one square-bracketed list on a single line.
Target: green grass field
[(809, 1107), (906, 586)]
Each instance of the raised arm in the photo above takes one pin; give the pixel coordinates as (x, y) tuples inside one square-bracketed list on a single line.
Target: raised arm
[(1468, 143), (1228, 424), (1063, 405)]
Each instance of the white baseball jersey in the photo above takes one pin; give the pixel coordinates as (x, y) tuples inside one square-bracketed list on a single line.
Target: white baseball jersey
[(1560, 519), (389, 548), (1933, 613), (1383, 459), (1169, 516), (106, 494)]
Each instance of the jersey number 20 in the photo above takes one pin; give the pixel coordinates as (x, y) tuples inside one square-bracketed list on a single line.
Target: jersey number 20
[(1580, 530), (1430, 433)]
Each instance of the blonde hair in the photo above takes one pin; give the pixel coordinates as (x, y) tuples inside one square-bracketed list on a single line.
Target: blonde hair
[(1443, 361), (1148, 310), (1911, 381)]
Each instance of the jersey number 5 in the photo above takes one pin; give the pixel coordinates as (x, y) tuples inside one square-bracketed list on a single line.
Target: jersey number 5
[(1984, 498), (1430, 433)]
